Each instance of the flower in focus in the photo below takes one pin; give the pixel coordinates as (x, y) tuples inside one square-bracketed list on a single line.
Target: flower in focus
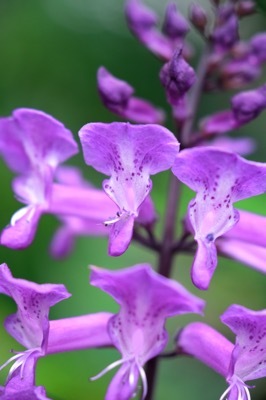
[(146, 299), (129, 154), (219, 178), (29, 326), (239, 363)]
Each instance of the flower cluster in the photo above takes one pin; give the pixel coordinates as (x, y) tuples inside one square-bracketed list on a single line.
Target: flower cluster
[(35, 145)]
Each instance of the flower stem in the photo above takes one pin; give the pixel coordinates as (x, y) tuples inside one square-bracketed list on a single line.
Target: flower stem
[(166, 255)]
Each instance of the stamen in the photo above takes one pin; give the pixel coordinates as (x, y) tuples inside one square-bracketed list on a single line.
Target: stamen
[(107, 369), (144, 382)]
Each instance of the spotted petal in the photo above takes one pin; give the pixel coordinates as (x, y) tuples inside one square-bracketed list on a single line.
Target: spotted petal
[(129, 154), (146, 299), (30, 325), (219, 178), (249, 355)]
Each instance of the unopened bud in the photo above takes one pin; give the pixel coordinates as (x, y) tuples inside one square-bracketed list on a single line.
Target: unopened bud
[(175, 25), (245, 8), (198, 17)]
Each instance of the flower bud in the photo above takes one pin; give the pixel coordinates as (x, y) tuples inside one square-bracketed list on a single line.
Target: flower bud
[(248, 105), (175, 25), (177, 76), (245, 8), (198, 17)]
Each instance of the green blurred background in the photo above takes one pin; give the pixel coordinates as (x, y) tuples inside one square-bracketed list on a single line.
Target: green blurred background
[(50, 52)]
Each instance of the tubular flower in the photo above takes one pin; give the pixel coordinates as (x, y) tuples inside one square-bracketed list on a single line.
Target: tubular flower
[(32, 144), (129, 154), (29, 325), (219, 178), (246, 241), (244, 361), (146, 299)]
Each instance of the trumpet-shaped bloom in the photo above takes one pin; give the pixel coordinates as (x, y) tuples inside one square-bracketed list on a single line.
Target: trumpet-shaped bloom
[(117, 96), (32, 144), (239, 363), (129, 154), (246, 241), (146, 299), (219, 178), (30, 324)]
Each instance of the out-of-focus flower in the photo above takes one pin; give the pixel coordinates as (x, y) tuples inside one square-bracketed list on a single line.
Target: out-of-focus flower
[(238, 363), (146, 299), (117, 96), (246, 106), (143, 23), (32, 144)]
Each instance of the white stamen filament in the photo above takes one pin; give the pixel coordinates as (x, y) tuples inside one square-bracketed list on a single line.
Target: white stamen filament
[(107, 369), (144, 382), (20, 361), (242, 390)]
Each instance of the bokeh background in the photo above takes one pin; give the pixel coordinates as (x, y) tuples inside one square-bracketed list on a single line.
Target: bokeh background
[(50, 52)]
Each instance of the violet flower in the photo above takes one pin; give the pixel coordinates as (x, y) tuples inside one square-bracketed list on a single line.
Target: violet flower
[(129, 154), (29, 326), (225, 34), (117, 96), (32, 144), (219, 178), (238, 363), (146, 299), (246, 106), (143, 23), (246, 241)]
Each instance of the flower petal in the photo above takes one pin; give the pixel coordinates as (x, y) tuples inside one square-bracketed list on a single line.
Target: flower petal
[(129, 153), (30, 325), (21, 232), (76, 333), (207, 345), (248, 359), (124, 384), (219, 178), (146, 300)]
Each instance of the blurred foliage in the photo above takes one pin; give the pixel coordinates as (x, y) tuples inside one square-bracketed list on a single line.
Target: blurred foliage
[(50, 52)]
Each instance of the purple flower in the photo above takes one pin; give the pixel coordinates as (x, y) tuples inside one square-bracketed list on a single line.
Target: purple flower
[(246, 241), (175, 26), (77, 333), (117, 96), (225, 34), (77, 196), (219, 179), (198, 17), (177, 77), (242, 145), (29, 325), (146, 299), (129, 154), (258, 47), (238, 363), (246, 106), (143, 23), (249, 354), (32, 144)]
